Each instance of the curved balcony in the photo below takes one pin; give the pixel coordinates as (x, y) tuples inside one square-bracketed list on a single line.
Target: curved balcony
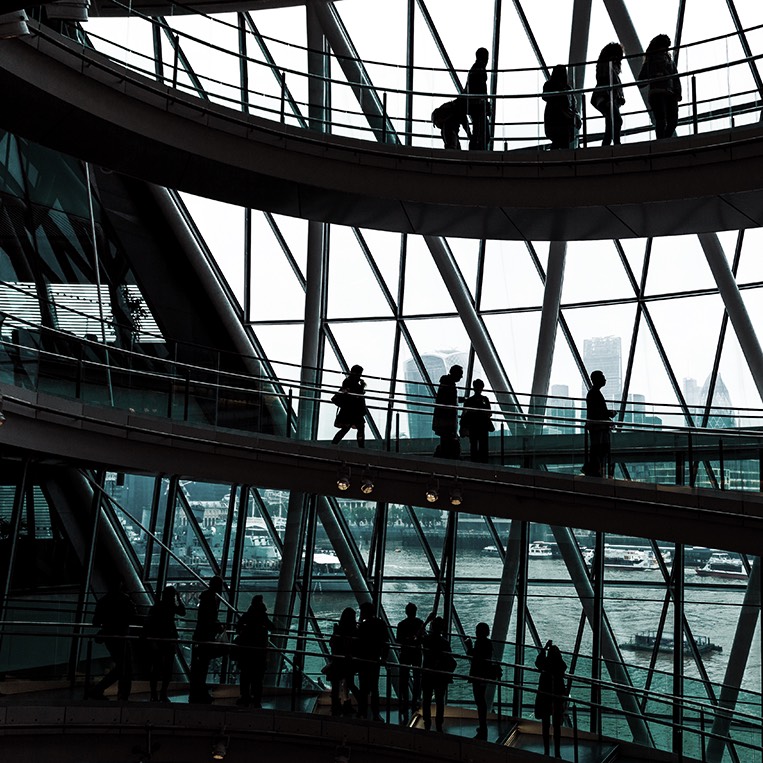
[(140, 118), (86, 401)]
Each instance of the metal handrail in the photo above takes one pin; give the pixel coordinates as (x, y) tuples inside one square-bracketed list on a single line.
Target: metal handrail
[(150, 72), (294, 658)]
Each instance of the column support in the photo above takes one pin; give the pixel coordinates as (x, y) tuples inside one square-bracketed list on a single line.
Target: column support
[(735, 307), (609, 651), (735, 669), (549, 322)]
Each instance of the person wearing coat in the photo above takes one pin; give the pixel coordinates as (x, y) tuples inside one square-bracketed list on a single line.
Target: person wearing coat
[(481, 671), (551, 699), (437, 668), (445, 417), (162, 636), (560, 117), (351, 413), (341, 670), (252, 639), (659, 71), (476, 423), (608, 96)]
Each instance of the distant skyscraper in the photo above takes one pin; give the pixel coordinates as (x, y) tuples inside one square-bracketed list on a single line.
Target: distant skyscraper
[(437, 364), (722, 413), (559, 411), (604, 353)]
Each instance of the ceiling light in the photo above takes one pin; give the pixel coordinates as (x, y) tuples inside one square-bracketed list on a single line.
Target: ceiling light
[(433, 492), (343, 478), (367, 486), (219, 748), (13, 25), (456, 496)]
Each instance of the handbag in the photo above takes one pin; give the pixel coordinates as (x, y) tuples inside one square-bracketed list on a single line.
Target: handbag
[(338, 398)]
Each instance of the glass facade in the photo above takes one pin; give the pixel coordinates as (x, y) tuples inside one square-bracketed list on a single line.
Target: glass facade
[(79, 280)]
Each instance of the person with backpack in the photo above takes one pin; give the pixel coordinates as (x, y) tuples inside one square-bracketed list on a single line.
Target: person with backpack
[(450, 118)]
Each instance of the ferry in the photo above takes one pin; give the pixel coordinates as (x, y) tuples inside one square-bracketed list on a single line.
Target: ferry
[(721, 565), (645, 641), (625, 558), (540, 550)]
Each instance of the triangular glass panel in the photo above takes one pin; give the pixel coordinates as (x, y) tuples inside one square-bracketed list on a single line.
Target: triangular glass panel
[(510, 278), (353, 288)]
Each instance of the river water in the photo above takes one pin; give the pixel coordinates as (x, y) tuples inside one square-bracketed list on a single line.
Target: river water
[(634, 601)]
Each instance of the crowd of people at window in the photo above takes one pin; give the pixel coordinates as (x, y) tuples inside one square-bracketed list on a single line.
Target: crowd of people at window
[(358, 647), (561, 118)]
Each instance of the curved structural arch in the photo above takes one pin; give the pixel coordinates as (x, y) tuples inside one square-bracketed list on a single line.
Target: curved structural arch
[(80, 102)]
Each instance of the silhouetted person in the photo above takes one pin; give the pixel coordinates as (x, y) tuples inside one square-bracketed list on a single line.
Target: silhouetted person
[(450, 118), (372, 649), (608, 96), (208, 628), (162, 636), (352, 407), (481, 670), (252, 631), (114, 613), (476, 423), (342, 644), (445, 417), (598, 426), (438, 666), (560, 117), (551, 699), (478, 108), (660, 71), (409, 634)]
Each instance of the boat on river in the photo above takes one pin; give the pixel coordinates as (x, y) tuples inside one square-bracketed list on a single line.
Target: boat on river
[(721, 565), (540, 550), (645, 641), (627, 558)]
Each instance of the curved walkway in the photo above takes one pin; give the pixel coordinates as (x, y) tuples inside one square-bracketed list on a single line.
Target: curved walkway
[(56, 428), (79, 102)]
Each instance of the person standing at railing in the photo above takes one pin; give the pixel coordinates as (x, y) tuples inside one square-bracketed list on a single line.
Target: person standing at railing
[(479, 108), (341, 670), (551, 699), (598, 428), (482, 670), (659, 71), (409, 633), (608, 96), (560, 117), (162, 636), (372, 649), (476, 423), (445, 416), (351, 413), (251, 649), (114, 613), (208, 630), (438, 667)]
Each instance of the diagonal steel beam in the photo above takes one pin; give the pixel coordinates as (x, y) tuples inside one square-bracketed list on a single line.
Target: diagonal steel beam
[(476, 329), (610, 652)]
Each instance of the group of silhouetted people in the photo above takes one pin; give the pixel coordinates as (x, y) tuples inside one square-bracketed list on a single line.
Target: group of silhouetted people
[(115, 613), (358, 648), (561, 118), (426, 665), (475, 419)]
